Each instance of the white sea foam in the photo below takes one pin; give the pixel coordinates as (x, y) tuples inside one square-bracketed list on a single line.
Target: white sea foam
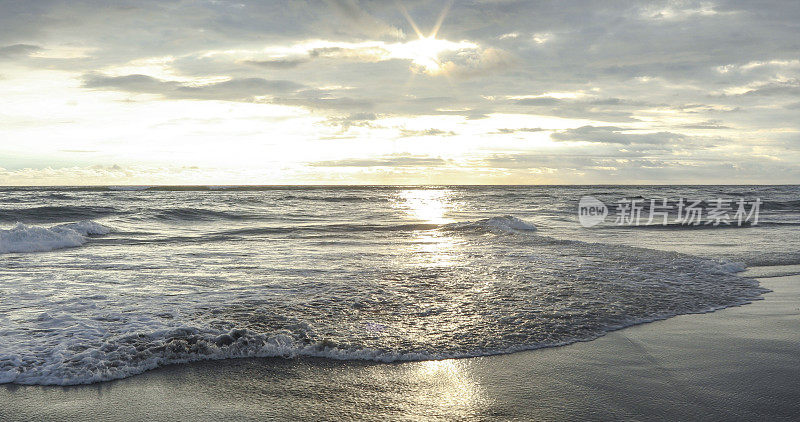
[(24, 238), (547, 293), (133, 354), (499, 224), (508, 222)]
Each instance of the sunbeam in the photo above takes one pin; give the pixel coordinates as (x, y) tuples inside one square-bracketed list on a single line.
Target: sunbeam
[(426, 50), (440, 20)]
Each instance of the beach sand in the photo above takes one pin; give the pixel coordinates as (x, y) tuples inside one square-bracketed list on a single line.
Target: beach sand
[(740, 363)]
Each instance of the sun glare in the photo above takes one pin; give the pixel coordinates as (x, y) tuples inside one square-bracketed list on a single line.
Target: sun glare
[(426, 52), (426, 205), (427, 55)]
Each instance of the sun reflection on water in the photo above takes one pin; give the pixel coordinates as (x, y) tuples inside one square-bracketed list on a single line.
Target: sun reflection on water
[(432, 248), (428, 205), (453, 389)]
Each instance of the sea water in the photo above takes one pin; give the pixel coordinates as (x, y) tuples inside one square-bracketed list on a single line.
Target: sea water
[(103, 283)]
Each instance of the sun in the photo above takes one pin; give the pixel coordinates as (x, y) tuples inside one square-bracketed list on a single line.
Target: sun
[(426, 51)]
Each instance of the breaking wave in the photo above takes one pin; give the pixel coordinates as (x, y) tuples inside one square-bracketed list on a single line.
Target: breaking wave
[(548, 292), (23, 238)]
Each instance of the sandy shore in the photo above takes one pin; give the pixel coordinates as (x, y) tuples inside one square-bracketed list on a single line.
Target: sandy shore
[(740, 363)]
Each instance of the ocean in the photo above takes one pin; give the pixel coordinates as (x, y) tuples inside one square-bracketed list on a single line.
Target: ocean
[(102, 283)]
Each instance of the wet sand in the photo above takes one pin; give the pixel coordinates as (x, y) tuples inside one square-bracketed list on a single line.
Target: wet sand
[(741, 363)]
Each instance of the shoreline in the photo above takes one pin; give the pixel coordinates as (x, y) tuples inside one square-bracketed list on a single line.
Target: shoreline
[(734, 363)]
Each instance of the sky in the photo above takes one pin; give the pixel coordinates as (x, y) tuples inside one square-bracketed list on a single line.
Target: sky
[(399, 92)]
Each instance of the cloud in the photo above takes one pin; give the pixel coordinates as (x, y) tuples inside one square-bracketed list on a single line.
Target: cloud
[(708, 124), (106, 174), (539, 101), (670, 69), (785, 88), (130, 83), (283, 63), (18, 50), (612, 109), (471, 63), (615, 135), (237, 89), (367, 53), (589, 168), (387, 161), (324, 100), (353, 119), (506, 131), (425, 132), (232, 90), (359, 20)]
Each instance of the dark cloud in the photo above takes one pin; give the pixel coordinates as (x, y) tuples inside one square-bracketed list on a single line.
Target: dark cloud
[(787, 88), (18, 50), (615, 135), (277, 63), (353, 119)]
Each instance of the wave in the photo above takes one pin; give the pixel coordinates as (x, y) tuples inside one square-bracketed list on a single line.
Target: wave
[(59, 196), (791, 205), (678, 226), (23, 238), (338, 198), (134, 354), (201, 214), (55, 213), (558, 292), (498, 225), (779, 223)]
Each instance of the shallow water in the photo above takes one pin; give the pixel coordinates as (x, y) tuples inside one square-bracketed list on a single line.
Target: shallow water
[(104, 283)]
